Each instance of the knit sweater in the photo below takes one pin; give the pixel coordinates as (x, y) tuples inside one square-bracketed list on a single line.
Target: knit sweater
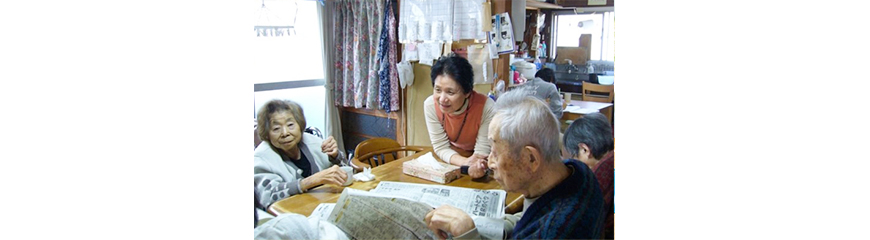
[(477, 138), (574, 209)]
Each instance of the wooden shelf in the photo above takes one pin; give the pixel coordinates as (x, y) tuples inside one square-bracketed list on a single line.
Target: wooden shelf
[(532, 4)]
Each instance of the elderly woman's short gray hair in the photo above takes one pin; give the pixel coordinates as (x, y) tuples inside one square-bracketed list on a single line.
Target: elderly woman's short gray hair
[(593, 130), (264, 115), (528, 121)]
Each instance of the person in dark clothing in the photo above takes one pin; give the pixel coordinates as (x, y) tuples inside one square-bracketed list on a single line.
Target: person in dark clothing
[(562, 198)]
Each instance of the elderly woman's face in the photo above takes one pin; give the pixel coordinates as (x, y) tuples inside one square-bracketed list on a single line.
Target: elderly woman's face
[(284, 132), (448, 94)]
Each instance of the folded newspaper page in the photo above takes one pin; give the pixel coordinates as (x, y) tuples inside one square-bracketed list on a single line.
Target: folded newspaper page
[(476, 202), (486, 207), (365, 215)]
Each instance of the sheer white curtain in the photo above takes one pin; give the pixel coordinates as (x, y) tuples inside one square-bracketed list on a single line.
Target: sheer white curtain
[(333, 122)]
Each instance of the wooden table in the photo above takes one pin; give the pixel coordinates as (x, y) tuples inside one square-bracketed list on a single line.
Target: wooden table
[(305, 203)]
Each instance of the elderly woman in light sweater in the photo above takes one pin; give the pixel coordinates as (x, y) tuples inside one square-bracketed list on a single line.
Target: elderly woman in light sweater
[(288, 161)]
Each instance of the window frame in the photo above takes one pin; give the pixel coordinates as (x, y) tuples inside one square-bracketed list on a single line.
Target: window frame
[(606, 51)]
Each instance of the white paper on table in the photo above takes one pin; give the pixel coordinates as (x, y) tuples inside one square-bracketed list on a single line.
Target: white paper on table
[(364, 176), (323, 210), (579, 110), (489, 228), (430, 161)]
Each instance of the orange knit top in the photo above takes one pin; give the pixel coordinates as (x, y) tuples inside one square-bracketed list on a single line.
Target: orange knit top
[(462, 129)]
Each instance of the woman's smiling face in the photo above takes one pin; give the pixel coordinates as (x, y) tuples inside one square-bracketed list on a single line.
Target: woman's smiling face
[(448, 94)]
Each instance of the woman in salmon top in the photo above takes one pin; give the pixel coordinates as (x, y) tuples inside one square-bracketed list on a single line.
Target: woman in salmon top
[(457, 117)]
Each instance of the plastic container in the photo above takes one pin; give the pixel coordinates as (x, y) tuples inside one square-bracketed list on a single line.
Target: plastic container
[(527, 69)]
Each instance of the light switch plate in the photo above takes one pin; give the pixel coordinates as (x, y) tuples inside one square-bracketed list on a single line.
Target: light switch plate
[(597, 2)]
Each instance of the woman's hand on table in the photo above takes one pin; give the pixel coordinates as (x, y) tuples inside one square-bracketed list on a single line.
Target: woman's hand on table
[(333, 175), (330, 147)]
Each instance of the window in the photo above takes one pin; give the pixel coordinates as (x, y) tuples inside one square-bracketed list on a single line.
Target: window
[(569, 27), (287, 59)]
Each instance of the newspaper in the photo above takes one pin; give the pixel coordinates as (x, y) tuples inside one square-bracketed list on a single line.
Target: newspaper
[(323, 210), (486, 207), (365, 215), (475, 202)]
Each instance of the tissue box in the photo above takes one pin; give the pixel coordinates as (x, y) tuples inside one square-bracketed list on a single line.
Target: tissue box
[(444, 175)]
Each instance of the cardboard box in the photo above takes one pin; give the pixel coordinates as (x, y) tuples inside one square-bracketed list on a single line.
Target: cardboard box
[(444, 175), (577, 55)]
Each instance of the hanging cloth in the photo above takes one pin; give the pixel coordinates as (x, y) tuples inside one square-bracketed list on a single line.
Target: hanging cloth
[(387, 74)]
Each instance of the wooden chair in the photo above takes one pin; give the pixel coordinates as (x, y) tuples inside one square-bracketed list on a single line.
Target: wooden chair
[(599, 93), (377, 151)]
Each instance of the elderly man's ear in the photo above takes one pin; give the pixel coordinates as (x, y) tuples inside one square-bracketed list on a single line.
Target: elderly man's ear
[(533, 157)]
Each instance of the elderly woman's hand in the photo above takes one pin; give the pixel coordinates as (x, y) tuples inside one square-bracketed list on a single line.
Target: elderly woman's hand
[(333, 175), (330, 147)]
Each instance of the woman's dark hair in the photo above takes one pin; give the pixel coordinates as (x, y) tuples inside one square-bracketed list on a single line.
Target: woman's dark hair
[(264, 116), (454, 67), (547, 74)]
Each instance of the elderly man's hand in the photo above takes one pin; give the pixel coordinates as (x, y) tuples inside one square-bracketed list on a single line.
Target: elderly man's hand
[(330, 147), (448, 219), (333, 175), (477, 166)]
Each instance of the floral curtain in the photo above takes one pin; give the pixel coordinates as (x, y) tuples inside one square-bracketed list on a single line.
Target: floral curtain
[(365, 54)]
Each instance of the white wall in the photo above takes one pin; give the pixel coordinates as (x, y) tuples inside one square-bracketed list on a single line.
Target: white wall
[(289, 58), (311, 99)]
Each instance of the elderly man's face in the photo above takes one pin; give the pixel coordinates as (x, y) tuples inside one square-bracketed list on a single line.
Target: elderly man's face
[(512, 174), (284, 132)]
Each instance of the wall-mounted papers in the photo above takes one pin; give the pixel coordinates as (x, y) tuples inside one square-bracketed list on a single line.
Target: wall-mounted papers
[(425, 20), (427, 52), (503, 34), (467, 20), (481, 63), (440, 20)]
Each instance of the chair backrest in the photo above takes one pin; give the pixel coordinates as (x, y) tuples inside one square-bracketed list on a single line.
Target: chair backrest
[(314, 131), (375, 144), (377, 151), (597, 93)]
